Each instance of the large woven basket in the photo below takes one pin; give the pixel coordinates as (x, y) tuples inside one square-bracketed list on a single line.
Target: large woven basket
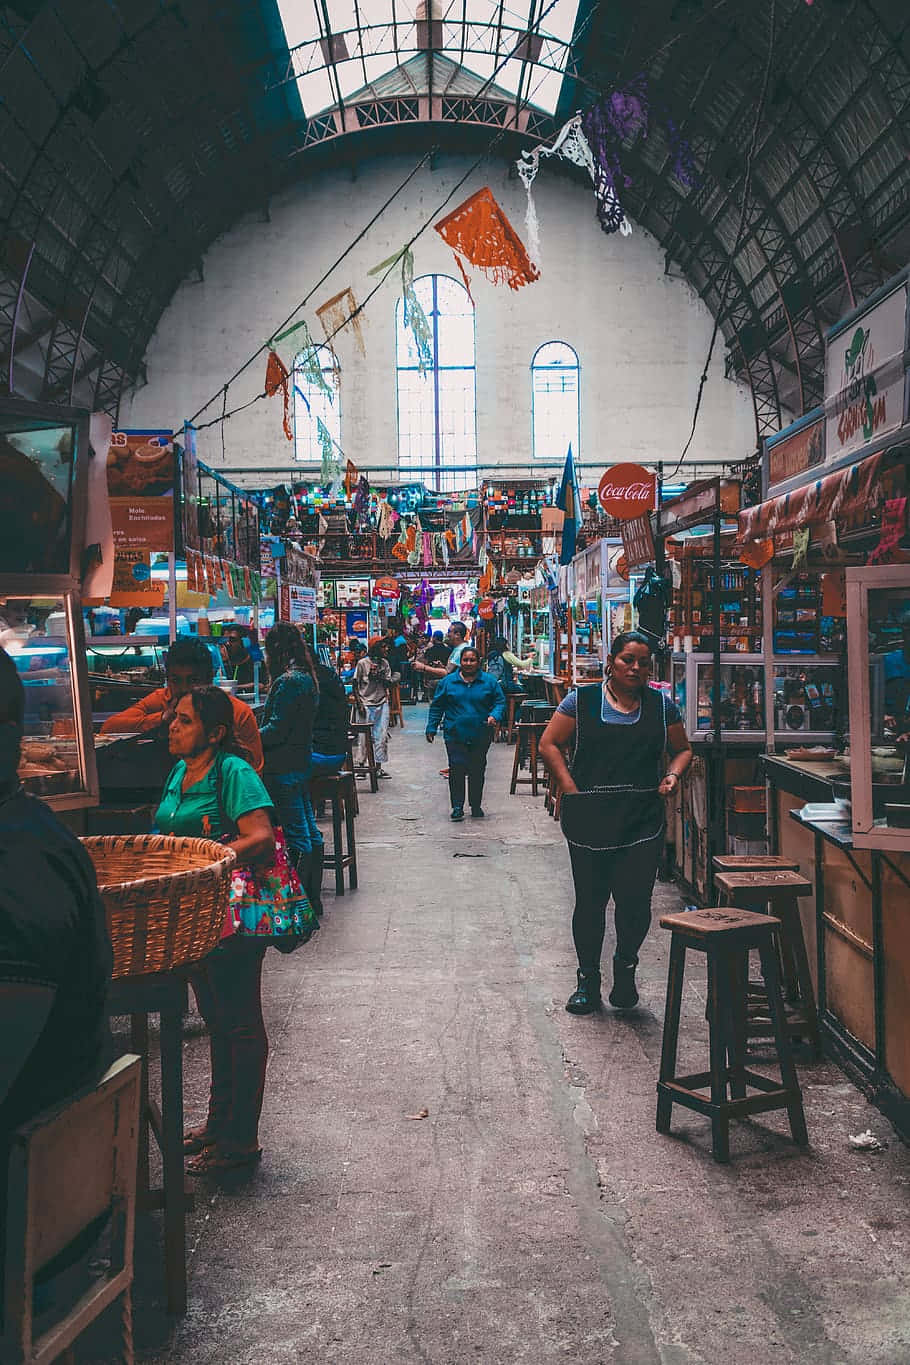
[(166, 898)]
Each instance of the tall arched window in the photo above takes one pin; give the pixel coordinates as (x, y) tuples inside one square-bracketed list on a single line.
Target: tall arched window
[(437, 426), (312, 404), (554, 402)]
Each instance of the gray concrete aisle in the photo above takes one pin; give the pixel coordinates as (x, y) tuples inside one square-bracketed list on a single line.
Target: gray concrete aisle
[(533, 1214)]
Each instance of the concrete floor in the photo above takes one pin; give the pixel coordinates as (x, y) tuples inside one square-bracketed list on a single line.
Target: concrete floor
[(534, 1214)]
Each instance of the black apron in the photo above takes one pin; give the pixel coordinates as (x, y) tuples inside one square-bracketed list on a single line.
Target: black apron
[(615, 768)]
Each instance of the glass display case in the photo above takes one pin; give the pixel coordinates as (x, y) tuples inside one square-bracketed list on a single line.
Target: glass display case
[(121, 670), (878, 630), (807, 699), (43, 636), (742, 696)]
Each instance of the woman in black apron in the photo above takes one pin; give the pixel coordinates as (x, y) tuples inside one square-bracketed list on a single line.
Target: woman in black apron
[(612, 812)]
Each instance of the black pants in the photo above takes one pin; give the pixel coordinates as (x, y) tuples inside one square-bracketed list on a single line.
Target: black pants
[(626, 874), (228, 991), (468, 761)]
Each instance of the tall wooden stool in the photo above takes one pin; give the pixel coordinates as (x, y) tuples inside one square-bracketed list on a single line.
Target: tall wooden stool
[(341, 790), (776, 892), (527, 733), (512, 702), (364, 729), (395, 716), (726, 936)]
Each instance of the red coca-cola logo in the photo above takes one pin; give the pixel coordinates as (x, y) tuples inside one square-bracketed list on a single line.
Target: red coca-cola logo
[(626, 491)]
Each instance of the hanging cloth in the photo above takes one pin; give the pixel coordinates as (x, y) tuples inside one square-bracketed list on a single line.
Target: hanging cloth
[(414, 317), (479, 231), (339, 312), (276, 377)]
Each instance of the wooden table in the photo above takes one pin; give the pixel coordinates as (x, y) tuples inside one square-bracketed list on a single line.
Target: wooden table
[(164, 994)]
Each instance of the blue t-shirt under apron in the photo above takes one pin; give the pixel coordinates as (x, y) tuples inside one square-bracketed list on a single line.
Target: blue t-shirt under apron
[(609, 714)]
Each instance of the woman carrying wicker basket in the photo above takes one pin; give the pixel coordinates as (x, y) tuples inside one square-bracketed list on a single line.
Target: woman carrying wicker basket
[(209, 790)]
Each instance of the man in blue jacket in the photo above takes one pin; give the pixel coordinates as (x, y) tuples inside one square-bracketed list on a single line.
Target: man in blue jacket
[(473, 704)]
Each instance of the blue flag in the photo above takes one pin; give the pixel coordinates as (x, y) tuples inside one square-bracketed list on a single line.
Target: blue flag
[(569, 499)]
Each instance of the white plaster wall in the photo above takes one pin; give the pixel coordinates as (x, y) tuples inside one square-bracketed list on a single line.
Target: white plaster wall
[(641, 336)]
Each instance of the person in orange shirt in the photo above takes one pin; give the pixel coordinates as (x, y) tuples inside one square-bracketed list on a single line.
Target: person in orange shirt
[(189, 664)]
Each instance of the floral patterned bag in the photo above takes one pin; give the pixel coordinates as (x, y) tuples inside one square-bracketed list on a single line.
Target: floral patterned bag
[(266, 899)]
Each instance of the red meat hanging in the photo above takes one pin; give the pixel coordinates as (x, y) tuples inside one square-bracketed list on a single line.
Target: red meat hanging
[(276, 377), (480, 231)]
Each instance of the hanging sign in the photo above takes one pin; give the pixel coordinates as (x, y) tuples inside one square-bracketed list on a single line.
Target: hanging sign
[(297, 604), (789, 455), (486, 609), (637, 541), (864, 375), (386, 589), (133, 584), (627, 491)]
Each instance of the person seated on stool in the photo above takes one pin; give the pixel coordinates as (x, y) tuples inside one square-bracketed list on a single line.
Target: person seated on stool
[(189, 664), (473, 704), (55, 950), (611, 812)]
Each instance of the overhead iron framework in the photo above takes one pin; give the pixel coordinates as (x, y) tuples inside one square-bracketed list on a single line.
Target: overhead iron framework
[(133, 132)]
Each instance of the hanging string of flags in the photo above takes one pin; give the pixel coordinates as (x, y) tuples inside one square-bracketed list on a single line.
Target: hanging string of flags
[(479, 231)]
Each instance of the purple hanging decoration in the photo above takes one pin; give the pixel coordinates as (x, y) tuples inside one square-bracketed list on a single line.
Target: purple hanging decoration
[(598, 128), (423, 600), (681, 156), (361, 499), (627, 110), (452, 607)]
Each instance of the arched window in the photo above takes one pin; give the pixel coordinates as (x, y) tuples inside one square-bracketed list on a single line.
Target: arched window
[(554, 402), (312, 404), (437, 426)]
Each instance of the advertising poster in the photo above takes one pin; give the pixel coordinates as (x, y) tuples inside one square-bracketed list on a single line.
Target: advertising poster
[(864, 377), (357, 623), (190, 492), (353, 592), (141, 469), (297, 604), (133, 582)]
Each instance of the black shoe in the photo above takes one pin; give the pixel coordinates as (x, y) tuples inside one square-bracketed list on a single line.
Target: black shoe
[(585, 999), (477, 812), (458, 813), (624, 995)]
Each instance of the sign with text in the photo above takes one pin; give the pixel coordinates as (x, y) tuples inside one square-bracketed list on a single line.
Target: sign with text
[(627, 491), (297, 604), (637, 541), (133, 583), (143, 524), (795, 454), (864, 376)]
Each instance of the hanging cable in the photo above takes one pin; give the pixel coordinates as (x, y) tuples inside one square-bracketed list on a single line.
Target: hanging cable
[(728, 275)]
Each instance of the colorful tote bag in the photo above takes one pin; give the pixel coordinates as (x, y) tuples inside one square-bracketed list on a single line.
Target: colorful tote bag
[(267, 900)]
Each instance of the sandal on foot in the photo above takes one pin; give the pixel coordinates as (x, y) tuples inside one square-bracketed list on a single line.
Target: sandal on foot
[(215, 1160), (197, 1139)]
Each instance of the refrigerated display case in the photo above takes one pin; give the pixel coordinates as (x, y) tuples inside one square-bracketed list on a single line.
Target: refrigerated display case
[(806, 698), (878, 628)]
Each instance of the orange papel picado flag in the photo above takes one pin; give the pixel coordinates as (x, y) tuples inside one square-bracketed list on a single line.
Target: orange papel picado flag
[(479, 231)]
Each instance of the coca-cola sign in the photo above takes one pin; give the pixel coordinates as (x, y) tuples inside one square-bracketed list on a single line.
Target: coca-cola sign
[(627, 491)]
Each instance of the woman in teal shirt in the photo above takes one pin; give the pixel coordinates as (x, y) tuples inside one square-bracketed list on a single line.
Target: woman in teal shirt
[(228, 983)]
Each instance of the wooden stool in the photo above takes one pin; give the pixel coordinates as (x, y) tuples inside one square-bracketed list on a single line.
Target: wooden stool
[(512, 701), (776, 892), (754, 862), (395, 716), (341, 790), (364, 728), (527, 731), (552, 796), (725, 936)]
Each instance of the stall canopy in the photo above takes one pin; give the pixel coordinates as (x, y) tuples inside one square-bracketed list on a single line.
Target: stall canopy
[(835, 496)]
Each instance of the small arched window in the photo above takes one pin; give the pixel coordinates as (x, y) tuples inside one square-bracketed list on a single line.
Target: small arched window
[(554, 402), (437, 421), (313, 405)]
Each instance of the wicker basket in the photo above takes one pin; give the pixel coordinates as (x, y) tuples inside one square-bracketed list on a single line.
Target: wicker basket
[(166, 898)]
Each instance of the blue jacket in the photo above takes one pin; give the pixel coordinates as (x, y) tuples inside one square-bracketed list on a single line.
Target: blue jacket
[(466, 706)]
